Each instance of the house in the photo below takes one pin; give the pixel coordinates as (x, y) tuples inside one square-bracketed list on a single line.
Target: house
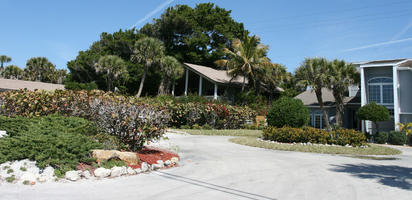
[(12, 84), (351, 101), (385, 82), (388, 83), (213, 83)]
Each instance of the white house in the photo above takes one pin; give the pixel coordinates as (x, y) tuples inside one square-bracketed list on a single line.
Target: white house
[(388, 83)]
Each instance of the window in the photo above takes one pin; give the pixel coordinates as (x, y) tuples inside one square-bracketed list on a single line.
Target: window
[(380, 90), (317, 122)]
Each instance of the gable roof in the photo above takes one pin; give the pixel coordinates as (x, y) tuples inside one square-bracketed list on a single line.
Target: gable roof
[(214, 75), (308, 98), (379, 63), (11, 84)]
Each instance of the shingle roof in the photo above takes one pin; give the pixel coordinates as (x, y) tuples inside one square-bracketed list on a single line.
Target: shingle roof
[(308, 98), (10, 84), (218, 76), (392, 61)]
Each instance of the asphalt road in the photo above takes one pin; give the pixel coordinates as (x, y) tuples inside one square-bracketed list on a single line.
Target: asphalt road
[(213, 168)]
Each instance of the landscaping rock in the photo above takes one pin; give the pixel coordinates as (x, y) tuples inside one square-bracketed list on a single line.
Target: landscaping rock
[(145, 167), (156, 166), (102, 172), (72, 175), (118, 171), (131, 171), (138, 170), (130, 158), (28, 176), (86, 174), (174, 160), (168, 162), (160, 163)]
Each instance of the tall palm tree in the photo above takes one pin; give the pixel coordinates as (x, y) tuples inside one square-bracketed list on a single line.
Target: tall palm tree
[(12, 72), (170, 70), (113, 68), (273, 75), (314, 73), (246, 59), (4, 59), (147, 51), (342, 74), (39, 69)]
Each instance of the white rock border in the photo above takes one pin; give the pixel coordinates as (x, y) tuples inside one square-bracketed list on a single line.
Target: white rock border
[(307, 144)]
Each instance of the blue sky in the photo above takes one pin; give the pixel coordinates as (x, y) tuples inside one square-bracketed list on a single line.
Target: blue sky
[(354, 30)]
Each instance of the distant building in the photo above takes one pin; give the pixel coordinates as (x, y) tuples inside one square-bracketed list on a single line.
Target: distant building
[(11, 84)]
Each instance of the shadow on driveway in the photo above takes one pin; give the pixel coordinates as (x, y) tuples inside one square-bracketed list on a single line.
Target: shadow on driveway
[(390, 175)]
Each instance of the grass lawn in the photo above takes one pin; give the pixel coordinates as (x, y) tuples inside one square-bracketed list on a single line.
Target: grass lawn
[(372, 150), (228, 132)]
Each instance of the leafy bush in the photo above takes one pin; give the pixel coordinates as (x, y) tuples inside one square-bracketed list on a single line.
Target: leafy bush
[(287, 111), (128, 119), (381, 137), (80, 86), (206, 127), (51, 141), (313, 135), (397, 138), (374, 113)]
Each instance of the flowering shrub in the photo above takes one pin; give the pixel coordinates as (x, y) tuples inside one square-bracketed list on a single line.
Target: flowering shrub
[(313, 135), (218, 116), (125, 117)]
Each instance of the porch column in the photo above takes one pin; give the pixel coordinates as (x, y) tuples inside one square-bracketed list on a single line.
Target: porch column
[(200, 85), (186, 81), (363, 97), (215, 94), (396, 109)]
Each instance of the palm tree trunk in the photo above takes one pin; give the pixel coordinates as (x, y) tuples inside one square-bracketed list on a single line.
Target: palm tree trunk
[(142, 81), (339, 110), (325, 115), (161, 90), (243, 84)]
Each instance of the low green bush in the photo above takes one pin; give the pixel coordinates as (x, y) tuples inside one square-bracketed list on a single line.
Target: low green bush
[(206, 127), (397, 138), (50, 141), (313, 135), (288, 111), (381, 137)]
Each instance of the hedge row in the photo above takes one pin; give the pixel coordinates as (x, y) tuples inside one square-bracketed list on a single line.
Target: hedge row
[(132, 121), (393, 137), (313, 135)]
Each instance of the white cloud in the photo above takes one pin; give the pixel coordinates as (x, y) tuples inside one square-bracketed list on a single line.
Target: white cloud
[(403, 31), (378, 44), (153, 12)]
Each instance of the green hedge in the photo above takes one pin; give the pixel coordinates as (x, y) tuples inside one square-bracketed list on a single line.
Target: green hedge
[(50, 141), (288, 111), (313, 135), (397, 138), (381, 137)]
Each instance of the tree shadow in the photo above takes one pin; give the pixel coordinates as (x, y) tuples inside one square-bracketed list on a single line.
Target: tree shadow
[(211, 186), (390, 175)]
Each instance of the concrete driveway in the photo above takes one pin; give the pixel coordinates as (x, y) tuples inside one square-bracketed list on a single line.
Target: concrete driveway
[(213, 168)]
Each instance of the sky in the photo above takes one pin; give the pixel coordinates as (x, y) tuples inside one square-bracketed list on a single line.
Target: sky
[(353, 30)]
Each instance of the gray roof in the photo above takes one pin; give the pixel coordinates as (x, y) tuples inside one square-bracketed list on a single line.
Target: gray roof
[(11, 84), (308, 98), (214, 75)]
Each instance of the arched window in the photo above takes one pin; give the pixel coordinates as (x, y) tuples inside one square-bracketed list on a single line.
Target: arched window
[(381, 90)]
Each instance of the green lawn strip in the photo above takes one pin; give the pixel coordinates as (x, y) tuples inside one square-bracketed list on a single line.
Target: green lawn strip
[(226, 132), (372, 150)]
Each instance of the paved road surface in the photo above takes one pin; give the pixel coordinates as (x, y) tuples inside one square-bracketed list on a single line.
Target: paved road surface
[(213, 168)]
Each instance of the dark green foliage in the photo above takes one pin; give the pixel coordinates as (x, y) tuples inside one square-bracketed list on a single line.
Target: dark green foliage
[(397, 138), (54, 141), (80, 86), (374, 113), (109, 142), (206, 127), (287, 111), (381, 137), (313, 135), (108, 164), (10, 179)]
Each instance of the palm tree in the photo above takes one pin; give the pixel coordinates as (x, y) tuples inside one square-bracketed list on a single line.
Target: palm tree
[(113, 68), (147, 51), (273, 75), (246, 59), (314, 73), (4, 59), (12, 72), (39, 69), (170, 70), (342, 74)]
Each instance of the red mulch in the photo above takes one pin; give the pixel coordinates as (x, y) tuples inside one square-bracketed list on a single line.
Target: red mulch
[(151, 155)]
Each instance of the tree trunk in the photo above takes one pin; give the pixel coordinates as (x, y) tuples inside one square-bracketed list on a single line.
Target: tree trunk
[(142, 81), (325, 115), (161, 90), (243, 84), (339, 109)]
